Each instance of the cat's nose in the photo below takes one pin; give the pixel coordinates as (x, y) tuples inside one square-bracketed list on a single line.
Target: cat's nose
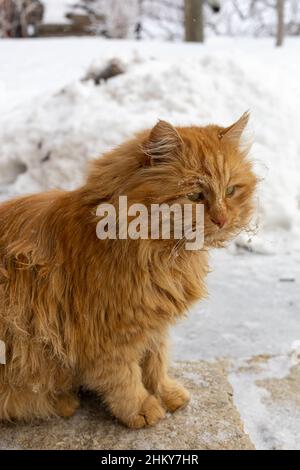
[(219, 221)]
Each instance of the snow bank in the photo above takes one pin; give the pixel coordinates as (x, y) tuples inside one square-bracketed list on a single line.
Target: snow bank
[(47, 143)]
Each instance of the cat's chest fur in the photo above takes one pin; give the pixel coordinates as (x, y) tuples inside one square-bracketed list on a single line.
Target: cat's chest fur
[(181, 281), (140, 300), (144, 294), (162, 288)]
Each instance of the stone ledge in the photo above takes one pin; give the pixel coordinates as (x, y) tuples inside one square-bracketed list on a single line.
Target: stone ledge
[(210, 421)]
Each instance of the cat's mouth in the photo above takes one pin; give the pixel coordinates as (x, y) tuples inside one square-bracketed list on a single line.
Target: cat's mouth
[(215, 236)]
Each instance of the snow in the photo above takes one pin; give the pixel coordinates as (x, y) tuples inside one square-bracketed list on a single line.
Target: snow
[(51, 123), (55, 11), (270, 426), (261, 317)]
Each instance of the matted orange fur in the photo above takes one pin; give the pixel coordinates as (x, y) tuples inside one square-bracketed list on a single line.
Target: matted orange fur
[(76, 311)]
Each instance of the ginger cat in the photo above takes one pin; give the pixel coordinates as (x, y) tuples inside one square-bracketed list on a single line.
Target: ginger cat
[(76, 311)]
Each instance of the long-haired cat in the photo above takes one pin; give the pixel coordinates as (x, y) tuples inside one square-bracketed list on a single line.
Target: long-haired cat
[(76, 311)]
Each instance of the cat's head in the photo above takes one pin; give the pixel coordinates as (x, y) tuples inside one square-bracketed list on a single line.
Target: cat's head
[(207, 165)]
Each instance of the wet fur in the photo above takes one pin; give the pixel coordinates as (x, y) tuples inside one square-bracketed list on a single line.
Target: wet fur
[(76, 311)]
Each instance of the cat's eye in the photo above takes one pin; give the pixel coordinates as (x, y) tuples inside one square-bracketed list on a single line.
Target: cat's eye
[(230, 191), (196, 197)]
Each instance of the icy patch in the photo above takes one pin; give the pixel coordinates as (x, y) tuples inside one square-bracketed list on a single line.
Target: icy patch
[(270, 425)]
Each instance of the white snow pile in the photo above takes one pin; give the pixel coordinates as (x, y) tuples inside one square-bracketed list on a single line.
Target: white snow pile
[(47, 143)]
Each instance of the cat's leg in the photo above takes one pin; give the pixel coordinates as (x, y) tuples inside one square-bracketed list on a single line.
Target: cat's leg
[(155, 378), (24, 404), (66, 404), (124, 393)]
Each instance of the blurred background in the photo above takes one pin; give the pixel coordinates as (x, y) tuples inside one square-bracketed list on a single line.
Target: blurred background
[(150, 19), (78, 77)]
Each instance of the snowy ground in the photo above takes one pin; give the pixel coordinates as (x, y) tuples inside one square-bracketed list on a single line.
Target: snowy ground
[(51, 123)]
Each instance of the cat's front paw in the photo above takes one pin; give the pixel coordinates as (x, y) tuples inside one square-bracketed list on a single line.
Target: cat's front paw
[(66, 405), (150, 413), (174, 396)]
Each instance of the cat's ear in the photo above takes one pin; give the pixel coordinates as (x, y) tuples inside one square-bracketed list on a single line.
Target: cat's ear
[(235, 132), (163, 143)]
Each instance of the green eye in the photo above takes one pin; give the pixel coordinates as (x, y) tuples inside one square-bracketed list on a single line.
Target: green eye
[(195, 197), (230, 191)]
